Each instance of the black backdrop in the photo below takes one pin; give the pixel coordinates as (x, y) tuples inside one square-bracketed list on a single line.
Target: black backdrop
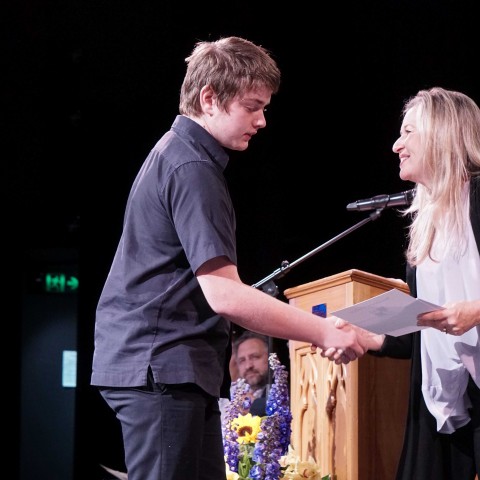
[(89, 86)]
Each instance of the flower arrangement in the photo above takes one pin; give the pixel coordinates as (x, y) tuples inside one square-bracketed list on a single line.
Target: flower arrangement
[(258, 448)]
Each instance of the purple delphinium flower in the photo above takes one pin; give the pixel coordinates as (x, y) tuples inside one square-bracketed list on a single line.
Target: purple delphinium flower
[(238, 405), (274, 437), (278, 402)]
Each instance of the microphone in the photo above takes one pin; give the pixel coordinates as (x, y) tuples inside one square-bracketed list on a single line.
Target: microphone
[(383, 201)]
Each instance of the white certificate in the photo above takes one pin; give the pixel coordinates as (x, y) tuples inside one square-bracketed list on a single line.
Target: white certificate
[(393, 313)]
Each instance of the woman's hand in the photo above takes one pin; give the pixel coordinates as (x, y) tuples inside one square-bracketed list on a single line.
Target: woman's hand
[(454, 319)]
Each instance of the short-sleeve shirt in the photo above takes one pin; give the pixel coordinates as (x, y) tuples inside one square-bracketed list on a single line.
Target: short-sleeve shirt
[(152, 311)]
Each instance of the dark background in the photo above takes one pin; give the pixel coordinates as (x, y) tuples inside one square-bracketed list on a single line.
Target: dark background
[(88, 87)]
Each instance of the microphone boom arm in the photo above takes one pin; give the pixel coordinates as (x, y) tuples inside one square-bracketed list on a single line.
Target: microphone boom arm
[(267, 284)]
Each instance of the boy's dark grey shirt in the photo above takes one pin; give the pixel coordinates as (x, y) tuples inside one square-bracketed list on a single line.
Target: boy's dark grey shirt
[(152, 311)]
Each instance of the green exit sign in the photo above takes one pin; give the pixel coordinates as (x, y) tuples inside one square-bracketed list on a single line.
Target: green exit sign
[(60, 283)]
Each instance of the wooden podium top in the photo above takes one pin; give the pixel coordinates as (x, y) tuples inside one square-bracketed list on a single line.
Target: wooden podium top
[(348, 276)]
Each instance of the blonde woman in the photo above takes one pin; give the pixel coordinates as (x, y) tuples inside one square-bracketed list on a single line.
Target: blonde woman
[(439, 150)]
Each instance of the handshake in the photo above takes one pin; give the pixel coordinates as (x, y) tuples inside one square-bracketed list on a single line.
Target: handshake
[(354, 341)]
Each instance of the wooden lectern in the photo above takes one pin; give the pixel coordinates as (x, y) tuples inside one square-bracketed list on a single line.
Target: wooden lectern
[(349, 419)]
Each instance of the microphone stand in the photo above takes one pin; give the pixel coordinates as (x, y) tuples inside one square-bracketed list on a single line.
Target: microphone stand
[(268, 286)]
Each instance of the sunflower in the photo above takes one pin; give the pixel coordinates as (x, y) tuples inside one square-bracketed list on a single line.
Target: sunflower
[(247, 428)]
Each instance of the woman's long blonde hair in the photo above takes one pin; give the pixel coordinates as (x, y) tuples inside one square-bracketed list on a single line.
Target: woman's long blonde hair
[(449, 125)]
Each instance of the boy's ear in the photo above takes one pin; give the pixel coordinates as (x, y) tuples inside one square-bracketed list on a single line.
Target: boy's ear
[(207, 99)]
